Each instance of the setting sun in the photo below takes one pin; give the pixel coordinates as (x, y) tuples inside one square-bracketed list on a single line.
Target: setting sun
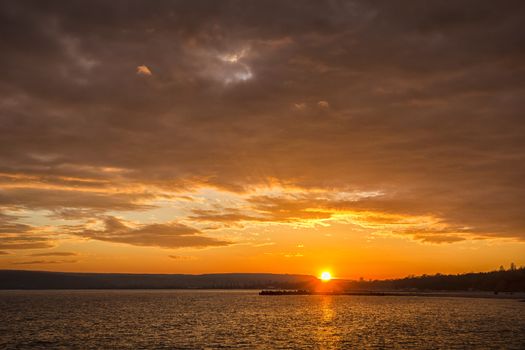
[(326, 276)]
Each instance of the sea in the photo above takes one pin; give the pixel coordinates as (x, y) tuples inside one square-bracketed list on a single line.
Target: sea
[(212, 319)]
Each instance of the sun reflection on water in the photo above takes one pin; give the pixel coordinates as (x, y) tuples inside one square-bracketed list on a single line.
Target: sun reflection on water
[(327, 334)]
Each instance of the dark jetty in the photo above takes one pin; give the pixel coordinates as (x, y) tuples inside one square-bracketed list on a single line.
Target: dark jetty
[(284, 292)]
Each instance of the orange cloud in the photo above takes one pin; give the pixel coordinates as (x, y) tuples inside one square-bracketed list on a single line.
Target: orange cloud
[(143, 70), (166, 235)]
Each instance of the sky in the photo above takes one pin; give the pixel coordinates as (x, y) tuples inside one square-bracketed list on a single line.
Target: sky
[(372, 139)]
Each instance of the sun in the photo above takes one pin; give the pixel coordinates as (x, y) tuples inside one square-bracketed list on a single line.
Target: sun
[(326, 276)]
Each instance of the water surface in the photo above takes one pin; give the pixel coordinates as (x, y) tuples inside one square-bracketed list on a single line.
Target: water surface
[(245, 320)]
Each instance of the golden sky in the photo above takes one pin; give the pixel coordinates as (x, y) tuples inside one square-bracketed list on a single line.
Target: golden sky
[(368, 139)]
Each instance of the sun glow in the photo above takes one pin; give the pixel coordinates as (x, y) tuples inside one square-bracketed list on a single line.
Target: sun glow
[(326, 276)]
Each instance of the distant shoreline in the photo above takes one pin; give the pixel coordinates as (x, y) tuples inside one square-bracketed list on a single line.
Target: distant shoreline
[(463, 294), (508, 284)]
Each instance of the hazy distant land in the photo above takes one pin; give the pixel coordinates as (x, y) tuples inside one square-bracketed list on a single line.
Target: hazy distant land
[(21, 279)]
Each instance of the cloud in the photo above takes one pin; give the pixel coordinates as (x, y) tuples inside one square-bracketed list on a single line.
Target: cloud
[(358, 209), (63, 201), (323, 104), (23, 242), (425, 106), (41, 262), (182, 257), (300, 106), (225, 215), (9, 225), (432, 238), (293, 255), (167, 235), (55, 254), (266, 209), (143, 70), (15, 235)]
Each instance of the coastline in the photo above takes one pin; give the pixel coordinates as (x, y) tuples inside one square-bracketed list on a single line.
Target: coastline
[(441, 294)]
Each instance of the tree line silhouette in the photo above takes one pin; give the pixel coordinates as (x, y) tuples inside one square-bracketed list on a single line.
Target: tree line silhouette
[(502, 280)]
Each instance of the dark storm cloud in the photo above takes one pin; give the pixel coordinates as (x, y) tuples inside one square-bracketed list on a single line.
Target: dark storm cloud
[(168, 235), (424, 102)]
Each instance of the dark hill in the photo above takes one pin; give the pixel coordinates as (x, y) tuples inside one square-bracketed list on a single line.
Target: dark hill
[(17, 279)]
